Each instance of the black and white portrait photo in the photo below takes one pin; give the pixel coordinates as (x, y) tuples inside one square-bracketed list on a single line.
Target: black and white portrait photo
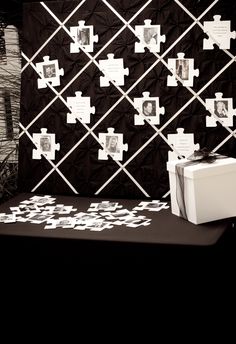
[(83, 36), (49, 70), (149, 108), (112, 144), (182, 69), (45, 143), (221, 108), (150, 35)]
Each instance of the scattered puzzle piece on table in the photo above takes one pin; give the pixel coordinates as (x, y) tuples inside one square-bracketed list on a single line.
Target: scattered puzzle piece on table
[(62, 222), (95, 225), (113, 69), (220, 108), (148, 109), (150, 37), (219, 32), (7, 218), (131, 221), (59, 209), (40, 200), (80, 108), (83, 35), (120, 214), (183, 144), (104, 205), (112, 145), (49, 72), (183, 68), (45, 144), (155, 205)]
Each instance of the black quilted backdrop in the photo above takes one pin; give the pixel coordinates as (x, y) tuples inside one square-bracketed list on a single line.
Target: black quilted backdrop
[(142, 172)]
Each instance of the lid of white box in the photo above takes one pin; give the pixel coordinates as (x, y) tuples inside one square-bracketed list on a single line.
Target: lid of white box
[(204, 169)]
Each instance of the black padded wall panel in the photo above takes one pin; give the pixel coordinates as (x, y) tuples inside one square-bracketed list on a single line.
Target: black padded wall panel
[(76, 168)]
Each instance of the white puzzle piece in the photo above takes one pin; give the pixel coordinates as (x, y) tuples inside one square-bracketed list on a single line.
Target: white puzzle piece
[(183, 68), (134, 222), (49, 72), (7, 218), (112, 144), (183, 143), (104, 206), (148, 109), (219, 33), (62, 222), (113, 69), (82, 36), (120, 214), (83, 218), (95, 225), (150, 37), (155, 205), (80, 108), (59, 209), (45, 144), (221, 108), (39, 200)]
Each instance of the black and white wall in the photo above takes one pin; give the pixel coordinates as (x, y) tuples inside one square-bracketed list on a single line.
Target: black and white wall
[(111, 90)]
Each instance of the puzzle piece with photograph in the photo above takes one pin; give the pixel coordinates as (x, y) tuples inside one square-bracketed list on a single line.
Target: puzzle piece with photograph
[(120, 214), (62, 222), (148, 109), (59, 209), (45, 144), (221, 110), (112, 144), (155, 205), (104, 205), (95, 225), (49, 72), (150, 37), (83, 35), (183, 144), (133, 222), (113, 69), (80, 108), (40, 200), (219, 32), (7, 218), (183, 68)]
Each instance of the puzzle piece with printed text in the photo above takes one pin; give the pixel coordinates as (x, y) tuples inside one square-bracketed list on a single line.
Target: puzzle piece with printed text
[(148, 109), (221, 110), (183, 68), (45, 144), (83, 36), (80, 108), (112, 144), (113, 69), (183, 144), (50, 72), (219, 32), (149, 37)]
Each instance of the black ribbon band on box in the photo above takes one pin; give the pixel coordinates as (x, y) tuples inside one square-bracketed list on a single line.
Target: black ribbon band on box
[(202, 155)]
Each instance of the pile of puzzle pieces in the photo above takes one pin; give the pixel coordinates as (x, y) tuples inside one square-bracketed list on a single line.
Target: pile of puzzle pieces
[(99, 216)]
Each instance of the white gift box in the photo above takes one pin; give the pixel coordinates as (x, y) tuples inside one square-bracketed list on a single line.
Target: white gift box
[(209, 190)]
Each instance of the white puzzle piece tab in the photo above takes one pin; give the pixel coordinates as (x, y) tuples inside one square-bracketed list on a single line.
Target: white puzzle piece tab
[(221, 110), (149, 37), (49, 72), (45, 144), (148, 109), (182, 68), (113, 69), (183, 144), (219, 32), (80, 108), (83, 36), (112, 144)]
